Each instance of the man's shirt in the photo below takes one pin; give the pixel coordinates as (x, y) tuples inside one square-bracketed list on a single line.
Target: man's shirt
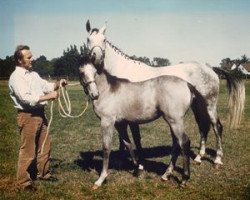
[(26, 87)]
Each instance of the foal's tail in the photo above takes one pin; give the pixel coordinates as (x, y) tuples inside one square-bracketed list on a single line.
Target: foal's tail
[(236, 100)]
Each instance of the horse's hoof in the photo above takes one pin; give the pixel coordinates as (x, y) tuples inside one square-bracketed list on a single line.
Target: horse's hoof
[(95, 187), (197, 160), (141, 167), (165, 177), (183, 185), (197, 163)]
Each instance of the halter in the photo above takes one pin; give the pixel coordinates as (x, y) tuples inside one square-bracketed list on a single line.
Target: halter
[(97, 46)]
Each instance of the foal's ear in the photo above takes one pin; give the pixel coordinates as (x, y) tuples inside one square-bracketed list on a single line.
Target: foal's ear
[(88, 28), (103, 29)]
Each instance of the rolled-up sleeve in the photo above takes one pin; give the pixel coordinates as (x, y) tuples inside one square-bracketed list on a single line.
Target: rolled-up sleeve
[(47, 86)]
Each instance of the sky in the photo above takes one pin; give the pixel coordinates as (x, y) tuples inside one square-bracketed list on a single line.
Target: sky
[(179, 30)]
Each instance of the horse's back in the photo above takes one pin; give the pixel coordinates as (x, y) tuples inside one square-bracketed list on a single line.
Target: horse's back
[(142, 101)]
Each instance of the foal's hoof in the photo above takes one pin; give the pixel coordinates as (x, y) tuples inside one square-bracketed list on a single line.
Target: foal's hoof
[(95, 187)]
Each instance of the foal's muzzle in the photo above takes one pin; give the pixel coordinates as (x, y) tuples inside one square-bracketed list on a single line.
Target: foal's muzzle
[(91, 90)]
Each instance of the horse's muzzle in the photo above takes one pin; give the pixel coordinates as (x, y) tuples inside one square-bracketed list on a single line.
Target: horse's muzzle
[(96, 55)]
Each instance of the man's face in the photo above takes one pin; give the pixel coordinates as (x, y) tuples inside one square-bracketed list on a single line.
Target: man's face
[(26, 61)]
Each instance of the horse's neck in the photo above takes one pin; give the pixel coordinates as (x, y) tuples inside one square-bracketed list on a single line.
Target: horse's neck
[(123, 67), (119, 65)]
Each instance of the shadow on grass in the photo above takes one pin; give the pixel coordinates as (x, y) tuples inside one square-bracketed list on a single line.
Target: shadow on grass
[(209, 152), (120, 160)]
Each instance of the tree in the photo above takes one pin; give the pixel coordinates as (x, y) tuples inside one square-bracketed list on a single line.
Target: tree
[(42, 66), (242, 60), (226, 63), (7, 66), (157, 62), (141, 59), (68, 64)]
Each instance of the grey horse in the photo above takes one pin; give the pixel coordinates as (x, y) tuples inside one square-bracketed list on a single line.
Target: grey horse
[(201, 76)]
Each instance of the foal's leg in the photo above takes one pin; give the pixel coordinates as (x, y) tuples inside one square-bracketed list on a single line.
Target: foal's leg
[(180, 138), (135, 130), (107, 128), (174, 155)]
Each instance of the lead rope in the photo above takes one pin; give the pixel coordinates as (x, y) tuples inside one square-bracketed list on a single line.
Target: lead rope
[(63, 91)]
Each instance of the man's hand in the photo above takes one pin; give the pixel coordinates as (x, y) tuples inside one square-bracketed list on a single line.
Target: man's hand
[(63, 82), (53, 95)]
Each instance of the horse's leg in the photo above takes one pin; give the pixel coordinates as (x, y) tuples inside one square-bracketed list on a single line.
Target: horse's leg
[(107, 127), (134, 127), (135, 130), (124, 138), (218, 129), (122, 146), (203, 121), (183, 141)]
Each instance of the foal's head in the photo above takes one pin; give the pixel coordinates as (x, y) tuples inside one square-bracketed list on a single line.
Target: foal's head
[(96, 43), (87, 73)]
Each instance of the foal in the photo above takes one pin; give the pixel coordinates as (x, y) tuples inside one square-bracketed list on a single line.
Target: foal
[(118, 100)]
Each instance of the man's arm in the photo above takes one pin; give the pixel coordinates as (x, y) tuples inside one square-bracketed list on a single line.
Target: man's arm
[(50, 96)]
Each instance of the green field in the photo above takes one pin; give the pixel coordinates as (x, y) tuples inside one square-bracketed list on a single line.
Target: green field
[(77, 158)]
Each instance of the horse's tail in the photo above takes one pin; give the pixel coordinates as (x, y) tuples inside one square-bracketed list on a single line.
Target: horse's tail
[(236, 100)]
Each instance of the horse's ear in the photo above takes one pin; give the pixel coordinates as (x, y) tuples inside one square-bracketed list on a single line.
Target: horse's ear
[(103, 29), (88, 28)]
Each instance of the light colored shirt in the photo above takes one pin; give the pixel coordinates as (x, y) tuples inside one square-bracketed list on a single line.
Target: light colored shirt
[(26, 87)]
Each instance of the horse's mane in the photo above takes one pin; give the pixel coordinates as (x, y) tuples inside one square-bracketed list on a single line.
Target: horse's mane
[(119, 51)]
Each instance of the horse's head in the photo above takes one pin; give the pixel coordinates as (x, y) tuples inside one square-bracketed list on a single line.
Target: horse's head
[(87, 73), (96, 43)]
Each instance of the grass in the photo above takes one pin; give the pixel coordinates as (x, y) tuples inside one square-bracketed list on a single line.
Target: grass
[(77, 158)]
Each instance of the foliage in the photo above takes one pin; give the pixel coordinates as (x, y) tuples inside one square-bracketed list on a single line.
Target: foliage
[(157, 62), (77, 158), (67, 65), (42, 66), (7, 66), (227, 63)]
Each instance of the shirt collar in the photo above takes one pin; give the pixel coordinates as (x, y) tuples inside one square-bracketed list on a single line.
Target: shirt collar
[(22, 70)]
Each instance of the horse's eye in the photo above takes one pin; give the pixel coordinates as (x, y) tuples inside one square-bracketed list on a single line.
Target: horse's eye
[(87, 40)]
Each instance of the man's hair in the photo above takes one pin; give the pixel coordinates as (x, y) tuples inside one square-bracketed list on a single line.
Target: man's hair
[(18, 52)]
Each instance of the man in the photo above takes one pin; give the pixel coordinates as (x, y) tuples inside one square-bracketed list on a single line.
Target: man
[(30, 94)]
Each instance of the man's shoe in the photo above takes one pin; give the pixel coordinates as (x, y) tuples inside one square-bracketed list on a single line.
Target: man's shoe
[(30, 188)]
